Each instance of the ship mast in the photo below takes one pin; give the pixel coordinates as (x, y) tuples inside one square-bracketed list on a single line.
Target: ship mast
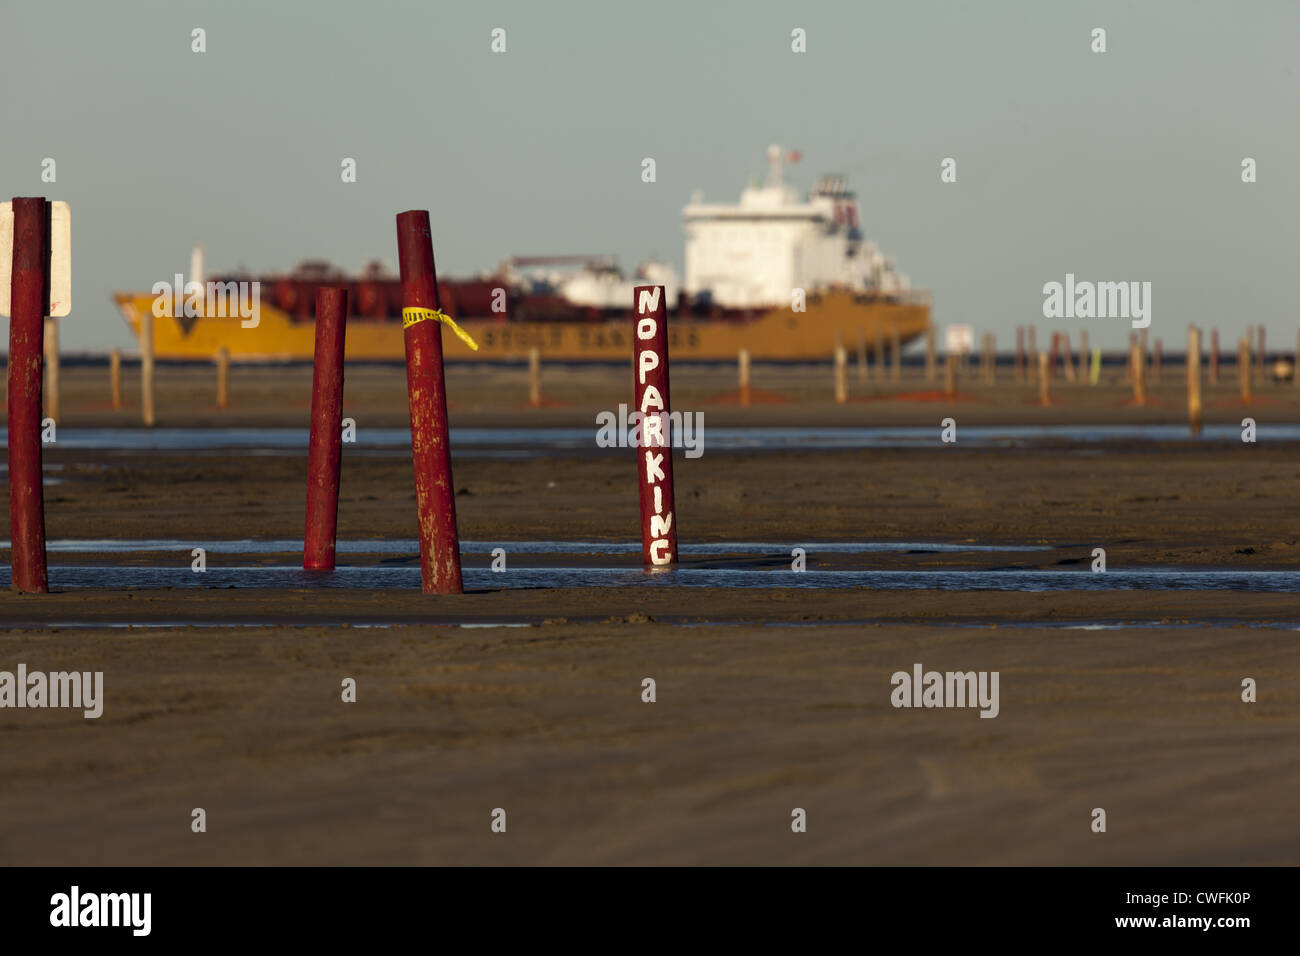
[(775, 167)]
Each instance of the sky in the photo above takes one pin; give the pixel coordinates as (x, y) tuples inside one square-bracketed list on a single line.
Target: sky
[(1115, 166)]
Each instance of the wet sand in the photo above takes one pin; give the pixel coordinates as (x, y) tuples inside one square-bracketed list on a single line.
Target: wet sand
[(548, 724), (1214, 505), (752, 720)]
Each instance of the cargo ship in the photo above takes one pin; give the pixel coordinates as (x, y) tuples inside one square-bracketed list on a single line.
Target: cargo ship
[(785, 277)]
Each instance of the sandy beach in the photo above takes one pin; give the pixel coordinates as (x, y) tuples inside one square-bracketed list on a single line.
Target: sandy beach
[(547, 723), (768, 699)]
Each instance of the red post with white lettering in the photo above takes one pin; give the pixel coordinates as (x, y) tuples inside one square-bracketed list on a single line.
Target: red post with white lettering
[(325, 446), (654, 435), (29, 301), (435, 496)]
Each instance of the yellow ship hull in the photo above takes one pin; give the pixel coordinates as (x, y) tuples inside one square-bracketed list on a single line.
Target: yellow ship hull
[(781, 334)]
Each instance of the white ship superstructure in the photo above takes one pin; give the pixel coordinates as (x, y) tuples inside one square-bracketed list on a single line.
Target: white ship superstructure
[(754, 253)]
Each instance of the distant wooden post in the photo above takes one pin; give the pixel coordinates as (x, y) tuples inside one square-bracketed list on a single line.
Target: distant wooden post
[(990, 359), (1094, 373), (841, 375), (1243, 368), (862, 356), (1044, 380), (896, 355), (146, 368), (1261, 363), (1250, 343), (535, 377), (223, 377), (52, 369), (1020, 355), (744, 376), (1067, 358), (929, 354), (1138, 361), (1031, 347), (1194, 417), (1156, 356), (1214, 356), (115, 376)]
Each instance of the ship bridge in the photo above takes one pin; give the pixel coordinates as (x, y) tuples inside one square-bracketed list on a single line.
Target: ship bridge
[(754, 253)]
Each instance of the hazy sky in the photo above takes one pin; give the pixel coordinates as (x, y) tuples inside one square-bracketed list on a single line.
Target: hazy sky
[(1117, 166)]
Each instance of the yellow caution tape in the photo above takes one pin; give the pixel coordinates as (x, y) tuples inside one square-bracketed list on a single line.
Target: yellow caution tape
[(411, 316)]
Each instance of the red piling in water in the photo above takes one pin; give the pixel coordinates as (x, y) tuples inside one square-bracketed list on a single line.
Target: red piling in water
[(29, 300), (435, 497), (324, 451), (654, 435)]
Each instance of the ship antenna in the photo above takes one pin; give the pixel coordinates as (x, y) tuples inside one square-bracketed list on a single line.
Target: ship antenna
[(775, 172)]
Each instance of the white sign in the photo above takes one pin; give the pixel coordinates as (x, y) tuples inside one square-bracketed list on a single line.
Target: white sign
[(60, 257), (958, 339)]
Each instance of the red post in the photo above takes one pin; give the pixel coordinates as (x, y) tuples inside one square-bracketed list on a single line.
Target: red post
[(654, 435), (29, 297), (324, 451), (435, 497)]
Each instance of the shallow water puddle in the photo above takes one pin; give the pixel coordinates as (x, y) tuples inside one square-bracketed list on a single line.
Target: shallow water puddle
[(408, 577), (411, 547), (529, 442)]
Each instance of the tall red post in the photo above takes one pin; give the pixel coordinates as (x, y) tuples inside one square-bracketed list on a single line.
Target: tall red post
[(654, 435), (29, 298), (435, 496), (325, 448)]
